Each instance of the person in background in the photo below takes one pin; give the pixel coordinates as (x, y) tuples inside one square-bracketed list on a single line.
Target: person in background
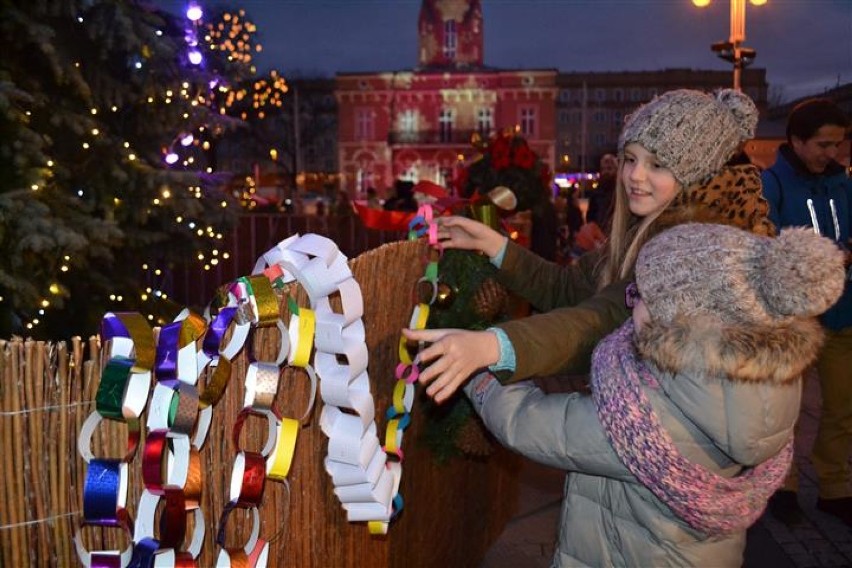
[(403, 198), (689, 428), (806, 186), (343, 204), (602, 199), (373, 201), (673, 152)]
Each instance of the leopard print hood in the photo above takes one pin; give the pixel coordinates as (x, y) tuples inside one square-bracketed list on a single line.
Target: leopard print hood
[(732, 197), (754, 353)]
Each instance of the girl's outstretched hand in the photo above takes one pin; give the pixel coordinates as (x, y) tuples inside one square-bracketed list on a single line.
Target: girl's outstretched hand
[(468, 234), (455, 354)]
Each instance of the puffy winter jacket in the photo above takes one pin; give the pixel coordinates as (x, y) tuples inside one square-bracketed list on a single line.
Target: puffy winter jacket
[(717, 417)]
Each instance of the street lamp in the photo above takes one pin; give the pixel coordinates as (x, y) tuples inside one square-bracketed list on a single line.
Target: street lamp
[(733, 49)]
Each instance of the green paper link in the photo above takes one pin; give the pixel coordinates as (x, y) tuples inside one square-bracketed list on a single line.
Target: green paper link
[(431, 273), (249, 289), (110, 396), (173, 408), (292, 306)]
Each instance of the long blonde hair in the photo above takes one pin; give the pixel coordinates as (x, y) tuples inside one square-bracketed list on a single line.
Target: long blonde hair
[(628, 233)]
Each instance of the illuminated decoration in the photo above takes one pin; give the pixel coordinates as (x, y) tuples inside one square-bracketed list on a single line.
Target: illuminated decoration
[(194, 13), (166, 168), (233, 36)]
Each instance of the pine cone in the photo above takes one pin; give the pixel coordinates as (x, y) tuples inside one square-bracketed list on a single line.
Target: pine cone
[(490, 299), (472, 438)]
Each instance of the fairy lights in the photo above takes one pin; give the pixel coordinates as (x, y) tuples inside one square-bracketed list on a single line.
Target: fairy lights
[(221, 79)]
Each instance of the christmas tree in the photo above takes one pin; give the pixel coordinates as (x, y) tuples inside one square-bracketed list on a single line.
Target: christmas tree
[(110, 114)]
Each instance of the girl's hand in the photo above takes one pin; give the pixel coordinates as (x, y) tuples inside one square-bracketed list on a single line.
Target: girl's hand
[(468, 234), (455, 355)]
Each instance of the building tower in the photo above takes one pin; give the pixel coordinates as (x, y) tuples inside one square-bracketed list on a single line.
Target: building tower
[(451, 34)]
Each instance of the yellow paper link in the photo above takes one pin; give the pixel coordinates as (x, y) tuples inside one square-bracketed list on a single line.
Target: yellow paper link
[(216, 385), (266, 300), (307, 327), (390, 436), (143, 340), (378, 527), (192, 327), (403, 350), (285, 447), (422, 316), (399, 397)]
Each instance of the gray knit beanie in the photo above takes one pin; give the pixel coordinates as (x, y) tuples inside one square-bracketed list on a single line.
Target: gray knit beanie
[(692, 133), (719, 271)]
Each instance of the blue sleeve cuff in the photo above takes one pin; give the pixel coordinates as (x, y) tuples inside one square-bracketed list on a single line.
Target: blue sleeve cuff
[(497, 259), (506, 362)]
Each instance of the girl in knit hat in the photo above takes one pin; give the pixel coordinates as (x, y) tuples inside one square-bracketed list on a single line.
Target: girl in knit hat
[(672, 156), (689, 428)]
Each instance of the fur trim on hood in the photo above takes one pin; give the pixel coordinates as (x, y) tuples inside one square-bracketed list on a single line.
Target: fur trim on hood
[(776, 354)]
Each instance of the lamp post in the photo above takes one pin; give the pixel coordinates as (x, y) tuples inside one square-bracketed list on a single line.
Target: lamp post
[(733, 49)]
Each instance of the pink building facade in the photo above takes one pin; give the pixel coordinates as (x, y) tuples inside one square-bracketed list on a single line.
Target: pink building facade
[(418, 124)]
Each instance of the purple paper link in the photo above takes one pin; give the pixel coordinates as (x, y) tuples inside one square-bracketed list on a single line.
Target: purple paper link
[(216, 331), (143, 553), (105, 560), (167, 350), (111, 326)]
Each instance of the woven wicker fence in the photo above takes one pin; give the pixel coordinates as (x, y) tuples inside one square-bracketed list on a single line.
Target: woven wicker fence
[(452, 513)]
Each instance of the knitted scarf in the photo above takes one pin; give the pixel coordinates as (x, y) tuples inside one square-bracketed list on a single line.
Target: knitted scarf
[(714, 505)]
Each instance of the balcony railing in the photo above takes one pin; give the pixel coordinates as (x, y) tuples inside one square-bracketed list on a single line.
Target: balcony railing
[(422, 137)]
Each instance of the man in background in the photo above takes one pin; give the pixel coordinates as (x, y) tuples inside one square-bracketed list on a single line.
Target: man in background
[(808, 187)]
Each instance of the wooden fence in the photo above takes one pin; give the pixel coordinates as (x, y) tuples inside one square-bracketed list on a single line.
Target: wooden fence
[(453, 511)]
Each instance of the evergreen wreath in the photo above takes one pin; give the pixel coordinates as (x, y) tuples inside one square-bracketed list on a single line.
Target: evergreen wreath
[(505, 178)]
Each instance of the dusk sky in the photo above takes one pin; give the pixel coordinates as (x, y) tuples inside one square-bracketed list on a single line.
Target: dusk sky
[(805, 45)]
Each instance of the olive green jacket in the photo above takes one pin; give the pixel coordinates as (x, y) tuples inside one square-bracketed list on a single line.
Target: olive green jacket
[(575, 316)]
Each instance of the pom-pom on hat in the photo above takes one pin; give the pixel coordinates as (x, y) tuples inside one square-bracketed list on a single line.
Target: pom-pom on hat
[(735, 277), (692, 133)]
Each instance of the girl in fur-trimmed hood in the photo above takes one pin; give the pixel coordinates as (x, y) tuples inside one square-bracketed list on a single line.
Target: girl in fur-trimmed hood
[(690, 423)]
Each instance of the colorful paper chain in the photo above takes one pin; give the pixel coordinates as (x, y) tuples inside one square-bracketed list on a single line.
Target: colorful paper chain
[(366, 476)]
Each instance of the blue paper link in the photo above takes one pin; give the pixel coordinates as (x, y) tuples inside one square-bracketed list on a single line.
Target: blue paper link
[(100, 492)]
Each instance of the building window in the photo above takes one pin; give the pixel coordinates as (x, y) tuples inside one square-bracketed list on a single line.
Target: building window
[(635, 95), (617, 118), (600, 116), (528, 122), (600, 140), (485, 120), (565, 95), (445, 125), (450, 39), (364, 176), (600, 95), (618, 95), (411, 174), (408, 124), (564, 116), (364, 126)]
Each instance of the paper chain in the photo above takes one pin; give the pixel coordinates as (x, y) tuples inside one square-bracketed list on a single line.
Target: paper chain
[(365, 474)]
